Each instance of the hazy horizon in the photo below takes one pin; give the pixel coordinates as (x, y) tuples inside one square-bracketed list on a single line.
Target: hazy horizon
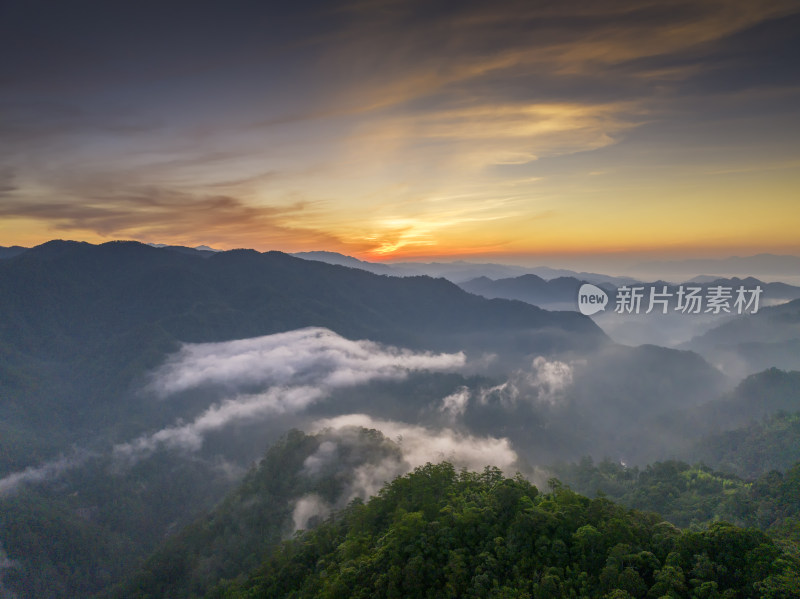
[(652, 266)]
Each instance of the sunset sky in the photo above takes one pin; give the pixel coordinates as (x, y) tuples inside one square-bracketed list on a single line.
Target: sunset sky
[(393, 130)]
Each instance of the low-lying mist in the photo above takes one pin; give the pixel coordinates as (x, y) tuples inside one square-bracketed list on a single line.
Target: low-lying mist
[(240, 395), (219, 406)]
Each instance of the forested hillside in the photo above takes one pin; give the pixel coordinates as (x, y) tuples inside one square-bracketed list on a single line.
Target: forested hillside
[(696, 495), (441, 533), (81, 323)]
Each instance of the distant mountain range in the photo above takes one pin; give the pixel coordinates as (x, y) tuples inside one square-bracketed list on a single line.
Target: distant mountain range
[(693, 270), (458, 271), (259, 293), (114, 310), (758, 265), (743, 346), (562, 292), (670, 330)]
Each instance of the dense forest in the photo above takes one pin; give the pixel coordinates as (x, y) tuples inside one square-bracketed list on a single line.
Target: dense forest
[(441, 533), (696, 495)]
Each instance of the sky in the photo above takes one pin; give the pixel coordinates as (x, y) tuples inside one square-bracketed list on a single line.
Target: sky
[(510, 131)]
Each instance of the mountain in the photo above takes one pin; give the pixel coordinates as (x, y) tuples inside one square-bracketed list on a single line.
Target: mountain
[(275, 497), (85, 328), (250, 293), (743, 427), (75, 534), (201, 250), (562, 292), (349, 261), (436, 530), (439, 533), (82, 322), (559, 293), (619, 401), (775, 292), (755, 398), (139, 383), (671, 329), (772, 444), (748, 344), (182, 248), (592, 277), (696, 495), (458, 271), (10, 252), (760, 265)]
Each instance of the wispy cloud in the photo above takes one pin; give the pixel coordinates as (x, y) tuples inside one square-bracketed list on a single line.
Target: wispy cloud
[(10, 483), (314, 357), (546, 382), (422, 52), (294, 369), (270, 376), (156, 214), (404, 447), (455, 404), (421, 445), (190, 436), (416, 445)]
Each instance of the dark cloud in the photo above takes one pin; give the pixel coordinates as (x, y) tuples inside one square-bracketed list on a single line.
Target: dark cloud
[(7, 185), (88, 42), (368, 54), (530, 51), (36, 125), (152, 213)]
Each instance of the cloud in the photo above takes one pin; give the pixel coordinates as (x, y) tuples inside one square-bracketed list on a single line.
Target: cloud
[(550, 378), (239, 409), (311, 356), (505, 393), (406, 447), (162, 213), (420, 445), (37, 474), (7, 184), (359, 112), (456, 403), (325, 455), (503, 133), (265, 376), (308, 507), (547, 382), (405, 50), (295, 370)]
